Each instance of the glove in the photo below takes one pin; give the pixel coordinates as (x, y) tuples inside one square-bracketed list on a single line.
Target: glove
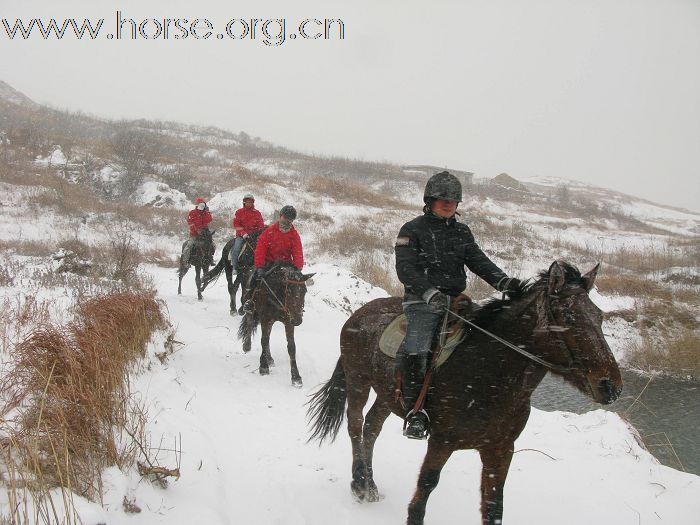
[(245, 236), (438, 300), (511, 287), (259, 273)]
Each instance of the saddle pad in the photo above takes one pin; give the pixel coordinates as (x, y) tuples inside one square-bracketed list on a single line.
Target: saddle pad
[(394, 334)]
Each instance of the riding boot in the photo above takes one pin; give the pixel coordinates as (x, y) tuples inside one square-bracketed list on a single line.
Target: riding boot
[(413, 369)]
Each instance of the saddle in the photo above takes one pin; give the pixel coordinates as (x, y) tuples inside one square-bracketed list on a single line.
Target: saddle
[(455, 332)]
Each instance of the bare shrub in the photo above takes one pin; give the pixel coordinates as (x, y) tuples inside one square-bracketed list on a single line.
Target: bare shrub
[(69, 385), (377, 272)]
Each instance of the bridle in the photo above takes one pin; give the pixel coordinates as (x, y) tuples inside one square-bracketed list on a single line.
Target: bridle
[(550, 327), (283, 304)]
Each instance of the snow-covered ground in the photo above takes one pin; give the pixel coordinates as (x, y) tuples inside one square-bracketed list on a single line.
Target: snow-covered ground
[(245, 460)]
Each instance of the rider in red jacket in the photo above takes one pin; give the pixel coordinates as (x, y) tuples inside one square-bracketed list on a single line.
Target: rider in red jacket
[(280, 243), (198, 220), (246, 221)]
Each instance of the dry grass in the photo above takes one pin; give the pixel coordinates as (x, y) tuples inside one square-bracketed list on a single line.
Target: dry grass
[(377, 272), (632, 285), (68, 391), (353, 238), (678, 354), (343, 190)]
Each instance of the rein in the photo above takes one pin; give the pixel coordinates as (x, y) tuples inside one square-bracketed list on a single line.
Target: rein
[(283, 305), (522, 351)]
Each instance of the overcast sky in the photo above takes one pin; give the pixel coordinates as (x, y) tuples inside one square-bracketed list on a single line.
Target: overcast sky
[(601, 91)]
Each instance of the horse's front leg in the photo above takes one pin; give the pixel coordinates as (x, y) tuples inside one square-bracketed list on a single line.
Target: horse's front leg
[(198, 281), (435, 459), (292, 351), (495, 463), (265, 357), (231, 289)]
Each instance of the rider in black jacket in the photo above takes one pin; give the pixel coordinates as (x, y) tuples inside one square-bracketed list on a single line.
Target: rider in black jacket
[(431, 253)]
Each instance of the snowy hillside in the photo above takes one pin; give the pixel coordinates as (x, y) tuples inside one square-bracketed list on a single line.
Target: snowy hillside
[(107, 193)]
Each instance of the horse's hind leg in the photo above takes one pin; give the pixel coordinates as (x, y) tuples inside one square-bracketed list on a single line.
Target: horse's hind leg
[(374, 420), (435, 459), (292, 351), (181, 273), (358, 395)]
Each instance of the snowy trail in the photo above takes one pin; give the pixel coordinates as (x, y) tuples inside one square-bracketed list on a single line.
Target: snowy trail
[(245, 459)]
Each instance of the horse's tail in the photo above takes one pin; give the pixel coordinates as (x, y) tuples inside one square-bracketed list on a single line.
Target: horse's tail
[(327, 407), (248, 325), (212, 275)]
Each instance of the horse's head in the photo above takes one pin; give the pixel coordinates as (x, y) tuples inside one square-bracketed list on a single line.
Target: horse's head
[(568, 331), (290, 288)]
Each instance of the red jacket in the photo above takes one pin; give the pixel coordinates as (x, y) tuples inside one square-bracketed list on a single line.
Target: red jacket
[(247, 221), (276, 246), (198, 219)]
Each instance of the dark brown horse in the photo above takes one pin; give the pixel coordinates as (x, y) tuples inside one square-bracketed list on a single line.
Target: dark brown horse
[(480, 398), (279, 296), (245, 267), (201, 256)]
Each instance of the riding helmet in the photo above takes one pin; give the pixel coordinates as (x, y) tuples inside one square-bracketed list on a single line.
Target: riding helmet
[(444, 186), (289, 212)]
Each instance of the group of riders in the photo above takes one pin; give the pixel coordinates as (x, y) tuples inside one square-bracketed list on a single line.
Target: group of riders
[(431, 250)]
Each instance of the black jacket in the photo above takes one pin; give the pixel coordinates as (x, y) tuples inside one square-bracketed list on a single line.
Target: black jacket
[(431, 252)]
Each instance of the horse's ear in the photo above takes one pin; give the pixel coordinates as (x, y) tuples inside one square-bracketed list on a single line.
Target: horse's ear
[(589, 278), (556, 278), (307, 276)]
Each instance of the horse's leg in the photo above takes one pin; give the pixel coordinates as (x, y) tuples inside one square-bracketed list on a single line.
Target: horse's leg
[(435, 459), (292, 351), (231, 288), (181, 273), (374, 420), (265, 356), (495, 463), (358, 394), (198, 280)]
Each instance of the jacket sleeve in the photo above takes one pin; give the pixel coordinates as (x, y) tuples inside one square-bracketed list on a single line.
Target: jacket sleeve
[(408, 268), (261, 249), (190, 219), (259, 223), (237, 222), (297, 252), (479, 263)]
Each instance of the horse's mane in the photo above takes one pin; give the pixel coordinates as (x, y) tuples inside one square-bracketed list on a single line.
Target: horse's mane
[(492, 308)]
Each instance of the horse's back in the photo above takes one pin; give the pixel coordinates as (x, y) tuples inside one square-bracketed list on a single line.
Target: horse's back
[(361, 332)]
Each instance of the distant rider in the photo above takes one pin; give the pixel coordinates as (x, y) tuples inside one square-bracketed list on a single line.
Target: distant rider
[(198, 220), (246, 221)]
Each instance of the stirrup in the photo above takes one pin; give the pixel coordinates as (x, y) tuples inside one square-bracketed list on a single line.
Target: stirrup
[(416, 426), (248, 306)]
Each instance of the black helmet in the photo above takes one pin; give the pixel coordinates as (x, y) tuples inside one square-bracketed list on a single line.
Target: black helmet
[(443, 186), (289, 212)]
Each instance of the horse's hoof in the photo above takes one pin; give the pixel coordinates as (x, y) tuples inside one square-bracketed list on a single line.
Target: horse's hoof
[(200, 298), (297, 383), (233, 313), (264, 371)]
